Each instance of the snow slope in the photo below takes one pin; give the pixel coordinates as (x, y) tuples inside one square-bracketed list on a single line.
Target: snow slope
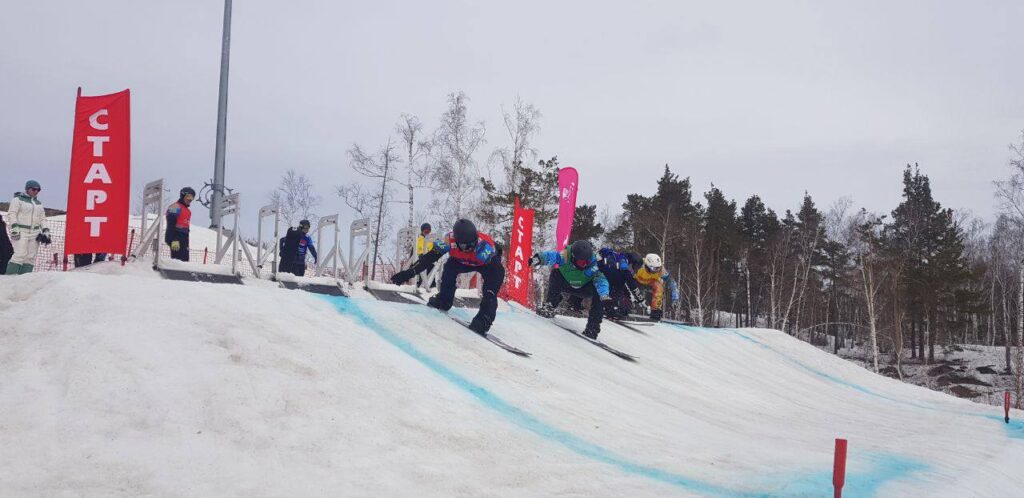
[(117, 383)]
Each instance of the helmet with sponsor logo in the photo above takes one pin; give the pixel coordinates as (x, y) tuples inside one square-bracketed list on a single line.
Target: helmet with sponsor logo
[(652, 262)]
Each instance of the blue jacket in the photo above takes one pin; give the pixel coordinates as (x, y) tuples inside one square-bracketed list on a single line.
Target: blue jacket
[(590, 274), (306, 242)]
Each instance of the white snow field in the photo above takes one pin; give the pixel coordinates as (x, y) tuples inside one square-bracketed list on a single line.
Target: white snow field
[(116, 383)]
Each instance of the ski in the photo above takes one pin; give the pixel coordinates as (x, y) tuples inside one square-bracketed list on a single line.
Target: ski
[(616, 352), (490, 337)]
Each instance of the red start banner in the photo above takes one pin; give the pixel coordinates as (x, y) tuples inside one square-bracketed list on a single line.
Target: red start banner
[(517, 283), (99, 189)]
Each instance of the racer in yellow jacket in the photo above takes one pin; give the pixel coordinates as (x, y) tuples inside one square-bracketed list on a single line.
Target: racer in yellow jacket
[(652, 274)]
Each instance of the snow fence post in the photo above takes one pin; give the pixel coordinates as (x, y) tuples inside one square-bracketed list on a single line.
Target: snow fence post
[(1006, 406), (839, 467)]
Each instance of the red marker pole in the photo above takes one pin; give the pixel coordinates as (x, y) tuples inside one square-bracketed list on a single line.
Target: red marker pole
[(1006, 405), (839, 468)]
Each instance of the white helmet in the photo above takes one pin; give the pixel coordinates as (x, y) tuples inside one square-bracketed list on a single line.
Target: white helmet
[(652, 261)]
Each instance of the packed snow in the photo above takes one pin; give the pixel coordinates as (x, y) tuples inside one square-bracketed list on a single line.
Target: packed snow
[(117, 383)]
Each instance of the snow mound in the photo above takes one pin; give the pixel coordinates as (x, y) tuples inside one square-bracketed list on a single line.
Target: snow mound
[(119, 384)]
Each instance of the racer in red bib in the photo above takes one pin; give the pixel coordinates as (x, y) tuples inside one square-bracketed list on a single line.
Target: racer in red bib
[(468, 251)]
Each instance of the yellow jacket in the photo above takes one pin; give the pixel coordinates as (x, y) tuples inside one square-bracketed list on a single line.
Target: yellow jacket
[(423, 246)]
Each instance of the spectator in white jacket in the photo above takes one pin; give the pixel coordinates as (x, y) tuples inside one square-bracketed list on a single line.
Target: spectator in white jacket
[(26, 216)]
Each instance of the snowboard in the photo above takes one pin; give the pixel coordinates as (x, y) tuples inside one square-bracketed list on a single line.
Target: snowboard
[(616, 352)]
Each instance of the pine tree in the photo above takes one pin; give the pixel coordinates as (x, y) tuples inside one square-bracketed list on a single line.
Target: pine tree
[(584, 224)]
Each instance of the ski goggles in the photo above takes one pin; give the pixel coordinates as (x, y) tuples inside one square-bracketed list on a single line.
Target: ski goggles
[(652, 270), (581, 263), (465, 246)]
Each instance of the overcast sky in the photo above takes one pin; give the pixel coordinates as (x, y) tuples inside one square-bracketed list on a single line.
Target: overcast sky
[(772, 98)]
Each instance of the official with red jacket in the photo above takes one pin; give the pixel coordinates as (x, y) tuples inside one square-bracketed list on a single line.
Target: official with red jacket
[(468, 251), (179, 220)]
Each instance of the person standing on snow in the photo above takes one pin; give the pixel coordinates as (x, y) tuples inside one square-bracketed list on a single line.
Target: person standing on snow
[(468, 251), (6, 249), (577, 274), (653, 275), (26, 215), (179, 220), (294, 244), (423, 246)]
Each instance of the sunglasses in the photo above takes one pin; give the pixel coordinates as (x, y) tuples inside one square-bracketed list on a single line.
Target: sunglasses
[(466, 246), (34, 189)]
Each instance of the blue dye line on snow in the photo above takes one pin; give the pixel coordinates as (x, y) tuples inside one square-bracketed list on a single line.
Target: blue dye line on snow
[(886, 468), (1015, 429)]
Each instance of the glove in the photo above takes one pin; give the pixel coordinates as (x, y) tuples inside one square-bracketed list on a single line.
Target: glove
[(15, 236), (402, 276), (175, 245), (536, 260), (43, 239)]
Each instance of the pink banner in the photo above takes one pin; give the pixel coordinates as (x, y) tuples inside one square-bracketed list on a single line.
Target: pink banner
[(568, 183)]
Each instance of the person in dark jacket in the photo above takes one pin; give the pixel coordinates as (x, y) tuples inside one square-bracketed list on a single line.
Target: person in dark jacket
[(179, 220), (294, 246), (6, 248), (468, 251)]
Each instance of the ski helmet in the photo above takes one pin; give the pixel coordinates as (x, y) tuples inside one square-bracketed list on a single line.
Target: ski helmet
[(32, 184), (464, 232), (425, 226), (652, 262), (304, 224), (581, 253), (186, 191)]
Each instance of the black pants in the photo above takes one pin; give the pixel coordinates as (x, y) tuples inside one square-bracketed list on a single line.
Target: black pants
[(298, 269), (557, 286), (182, 253), (493, 275)]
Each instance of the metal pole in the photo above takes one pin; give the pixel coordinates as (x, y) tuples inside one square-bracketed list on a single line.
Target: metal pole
[(222, 120)]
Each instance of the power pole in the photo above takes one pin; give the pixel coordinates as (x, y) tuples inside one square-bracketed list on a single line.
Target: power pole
[(222, 120)]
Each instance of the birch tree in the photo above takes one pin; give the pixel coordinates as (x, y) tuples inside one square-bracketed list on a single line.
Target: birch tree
[(455, 143), (295, 198)]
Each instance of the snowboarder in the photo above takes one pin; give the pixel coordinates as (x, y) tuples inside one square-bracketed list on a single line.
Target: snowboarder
[(468, 251), (294, 245), (652, 274), (26, 214), (179, 220), (577, 274), (617, 267)]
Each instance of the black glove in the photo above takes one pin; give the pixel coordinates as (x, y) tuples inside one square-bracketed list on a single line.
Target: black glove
[(43, 239), (536, 260), (402, 276)]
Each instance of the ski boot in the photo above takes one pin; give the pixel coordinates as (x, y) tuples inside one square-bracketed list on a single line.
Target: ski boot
[(435, 303), (479, 327), (591, 332), (656, 315)]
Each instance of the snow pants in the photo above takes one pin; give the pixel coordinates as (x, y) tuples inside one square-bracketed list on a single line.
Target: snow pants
[(493, 274), (557, 286), (24, 259), (182, 253)]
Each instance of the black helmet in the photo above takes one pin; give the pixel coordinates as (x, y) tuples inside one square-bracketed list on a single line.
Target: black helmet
[(464, 232), (634, 259), (304, 223), (581, 253), (186, 191), (425, 226)]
